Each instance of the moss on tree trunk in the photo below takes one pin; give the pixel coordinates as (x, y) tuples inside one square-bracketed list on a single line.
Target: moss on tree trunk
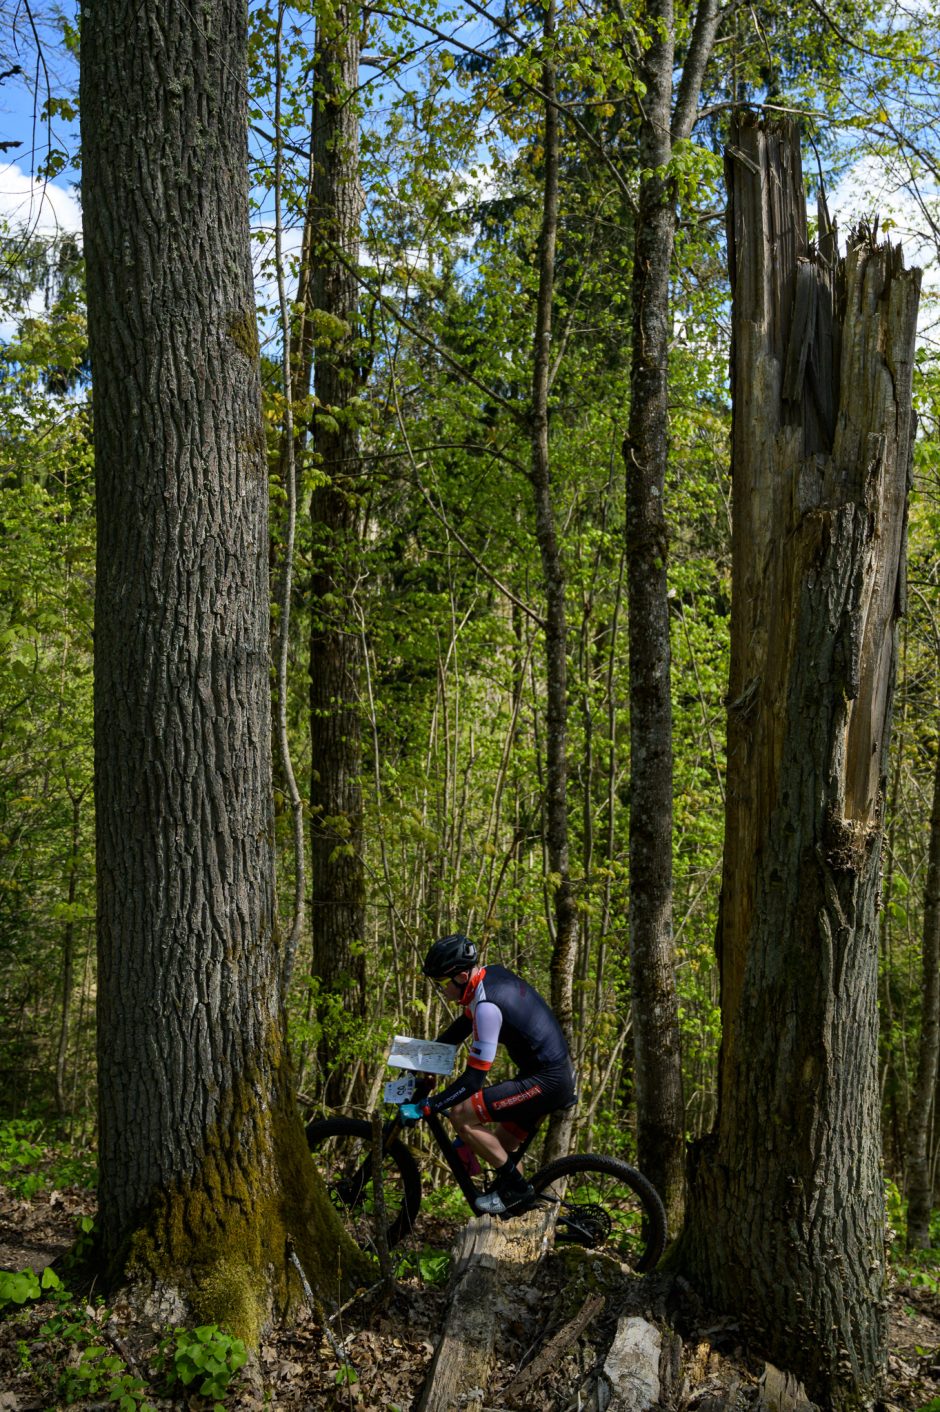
[(204, 1173)]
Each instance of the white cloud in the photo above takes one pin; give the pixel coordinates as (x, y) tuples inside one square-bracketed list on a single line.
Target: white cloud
[(37, 207), (27, 208), (871, 189)]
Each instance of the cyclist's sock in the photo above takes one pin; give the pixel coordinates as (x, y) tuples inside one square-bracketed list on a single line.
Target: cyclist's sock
[(467, 1156), (511, 1179)]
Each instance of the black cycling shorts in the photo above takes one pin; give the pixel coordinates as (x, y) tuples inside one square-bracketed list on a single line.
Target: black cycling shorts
[(519, 1104)]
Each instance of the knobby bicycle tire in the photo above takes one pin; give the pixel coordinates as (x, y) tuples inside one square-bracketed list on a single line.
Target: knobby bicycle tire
[(346, 1143), (606, 1204)]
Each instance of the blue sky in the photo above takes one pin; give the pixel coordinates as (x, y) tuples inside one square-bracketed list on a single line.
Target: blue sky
[(49, 72), (52, 207)]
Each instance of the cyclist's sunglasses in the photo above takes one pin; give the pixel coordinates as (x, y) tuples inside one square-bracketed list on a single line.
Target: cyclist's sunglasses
[(440, 982)]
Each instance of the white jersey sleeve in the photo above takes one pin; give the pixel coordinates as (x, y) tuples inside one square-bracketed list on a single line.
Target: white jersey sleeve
[(487, 1022)]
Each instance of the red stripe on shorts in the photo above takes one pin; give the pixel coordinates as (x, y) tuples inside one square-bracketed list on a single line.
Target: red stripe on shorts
[(478, 1104)]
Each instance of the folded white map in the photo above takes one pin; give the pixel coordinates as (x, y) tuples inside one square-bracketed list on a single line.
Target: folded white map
[(424, 1056)]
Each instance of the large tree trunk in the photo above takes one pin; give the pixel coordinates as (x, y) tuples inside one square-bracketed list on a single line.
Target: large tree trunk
[(338, 880), (785, 1226), (923, 1099), (657, 1060), (204, 1172)]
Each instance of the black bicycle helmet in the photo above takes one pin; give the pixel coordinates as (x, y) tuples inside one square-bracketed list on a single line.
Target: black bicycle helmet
[(450, 955)]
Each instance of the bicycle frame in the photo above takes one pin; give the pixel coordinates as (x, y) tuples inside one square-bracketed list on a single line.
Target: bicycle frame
[(444, 1142), (610, 1199)]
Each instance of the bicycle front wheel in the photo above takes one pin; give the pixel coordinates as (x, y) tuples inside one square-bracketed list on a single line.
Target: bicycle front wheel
[(342, 1151), (605, 1204)]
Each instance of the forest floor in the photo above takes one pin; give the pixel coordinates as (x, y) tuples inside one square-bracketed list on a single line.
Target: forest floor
[(376, 1356)]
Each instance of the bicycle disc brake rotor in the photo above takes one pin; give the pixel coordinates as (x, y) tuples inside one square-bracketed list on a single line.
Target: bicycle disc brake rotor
[(584, 1224)]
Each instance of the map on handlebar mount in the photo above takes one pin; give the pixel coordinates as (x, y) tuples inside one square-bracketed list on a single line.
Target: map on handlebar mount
[(423, 1056)]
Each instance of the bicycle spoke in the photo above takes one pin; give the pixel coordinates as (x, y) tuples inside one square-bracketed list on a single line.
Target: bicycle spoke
[(342, 1150), (601, 1208)]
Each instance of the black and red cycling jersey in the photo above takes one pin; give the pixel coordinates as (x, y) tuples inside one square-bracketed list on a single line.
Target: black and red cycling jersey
[(502, 1008)]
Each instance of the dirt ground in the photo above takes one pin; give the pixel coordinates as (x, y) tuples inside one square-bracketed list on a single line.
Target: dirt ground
[(374, 1357)]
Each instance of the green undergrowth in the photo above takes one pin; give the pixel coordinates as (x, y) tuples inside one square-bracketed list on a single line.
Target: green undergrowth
[(912, 1269), (33, 1159), (69, 1351), (431, 1266)]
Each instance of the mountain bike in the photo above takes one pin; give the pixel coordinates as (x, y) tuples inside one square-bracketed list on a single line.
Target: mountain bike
[(603, 1203)]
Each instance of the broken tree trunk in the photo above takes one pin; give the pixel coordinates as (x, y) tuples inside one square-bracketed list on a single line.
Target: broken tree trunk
[(785, 1226), (488, 1255)]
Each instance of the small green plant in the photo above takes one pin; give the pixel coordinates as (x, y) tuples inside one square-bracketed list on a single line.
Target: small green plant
[(20, 1286), (447, 1202), (95, 1372), (74, 1168), (204, 1360), (85, 1230), (918, 1269), (895, 1210), (346, 1377), (433, 1266), (100, 1372)]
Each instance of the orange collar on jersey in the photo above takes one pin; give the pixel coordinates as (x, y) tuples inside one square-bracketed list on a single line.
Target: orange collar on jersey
[(474, 979)]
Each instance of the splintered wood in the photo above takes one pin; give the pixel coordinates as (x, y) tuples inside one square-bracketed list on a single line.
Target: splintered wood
[(488, 1255), (631, 1368)]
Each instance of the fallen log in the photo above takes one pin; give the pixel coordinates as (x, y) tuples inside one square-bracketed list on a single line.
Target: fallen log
[(489, 1254), (557, 1345)]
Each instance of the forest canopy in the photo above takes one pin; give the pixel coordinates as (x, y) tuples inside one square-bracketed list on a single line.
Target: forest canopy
[(452, 213)]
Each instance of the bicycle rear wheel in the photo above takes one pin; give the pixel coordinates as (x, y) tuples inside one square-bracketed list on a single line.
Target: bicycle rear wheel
[(605, 1204), (342, 1150)]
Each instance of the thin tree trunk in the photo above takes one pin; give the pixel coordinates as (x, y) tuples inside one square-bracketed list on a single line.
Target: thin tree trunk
[(919, 1184), (204, 1172), (68, 961), (565, 940), (785, 1220), (657, 1060), (338, 879), (290, 482)]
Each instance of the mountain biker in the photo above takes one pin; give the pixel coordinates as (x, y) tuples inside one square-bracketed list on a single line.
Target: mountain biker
[(498, 1008)]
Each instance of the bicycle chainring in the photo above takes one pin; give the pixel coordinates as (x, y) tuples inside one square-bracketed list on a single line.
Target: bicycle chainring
[(583, 1224)]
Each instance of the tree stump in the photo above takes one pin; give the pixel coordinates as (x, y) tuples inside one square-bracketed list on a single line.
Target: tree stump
[(785, 1226)]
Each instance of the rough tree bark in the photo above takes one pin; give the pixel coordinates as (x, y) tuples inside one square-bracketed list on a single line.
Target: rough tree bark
[(785, 1222), (338, 879), (923, 1099), (657, 1061), (204, 1171)]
